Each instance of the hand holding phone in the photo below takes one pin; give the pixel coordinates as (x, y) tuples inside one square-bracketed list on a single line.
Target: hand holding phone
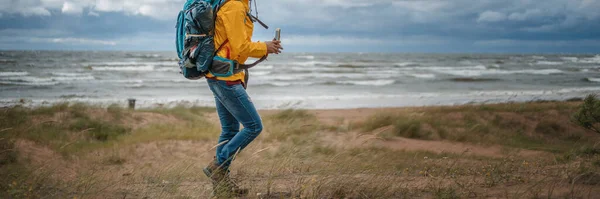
[(274, 47), (278, 34)]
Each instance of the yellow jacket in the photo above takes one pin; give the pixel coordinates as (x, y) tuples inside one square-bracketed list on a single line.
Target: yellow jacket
[(233, 24)]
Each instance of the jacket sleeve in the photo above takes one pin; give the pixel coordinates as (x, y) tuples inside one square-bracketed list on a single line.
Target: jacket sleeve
[(234, 18)]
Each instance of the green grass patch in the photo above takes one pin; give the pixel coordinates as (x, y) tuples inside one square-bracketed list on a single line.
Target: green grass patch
[(524, 125), (297, 125), (193, 113)]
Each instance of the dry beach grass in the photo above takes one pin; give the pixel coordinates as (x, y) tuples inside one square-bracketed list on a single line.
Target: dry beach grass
[(520, 150)]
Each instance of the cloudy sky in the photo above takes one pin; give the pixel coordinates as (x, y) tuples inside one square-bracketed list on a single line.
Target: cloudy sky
[(560, 26)]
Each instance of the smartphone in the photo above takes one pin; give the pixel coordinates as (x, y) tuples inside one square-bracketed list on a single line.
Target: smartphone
[(278, 34)]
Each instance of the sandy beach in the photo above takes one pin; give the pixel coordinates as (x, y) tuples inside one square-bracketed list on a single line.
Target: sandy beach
[(518, 150)]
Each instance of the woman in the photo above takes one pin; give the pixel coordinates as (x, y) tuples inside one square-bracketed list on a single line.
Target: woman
[(233, 31)]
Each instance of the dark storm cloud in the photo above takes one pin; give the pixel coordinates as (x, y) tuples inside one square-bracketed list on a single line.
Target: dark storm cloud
[(318, 25)]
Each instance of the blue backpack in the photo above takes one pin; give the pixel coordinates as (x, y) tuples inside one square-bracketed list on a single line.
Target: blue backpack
[(195, 37), (195, 42)]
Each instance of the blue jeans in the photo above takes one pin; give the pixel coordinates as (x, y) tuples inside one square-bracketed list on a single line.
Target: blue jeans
[(234, 107)]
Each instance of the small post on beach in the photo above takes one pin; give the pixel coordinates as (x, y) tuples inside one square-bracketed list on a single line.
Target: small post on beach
[(131, 103)]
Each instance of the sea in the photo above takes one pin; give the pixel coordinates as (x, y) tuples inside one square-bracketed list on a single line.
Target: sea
[(299, 80)]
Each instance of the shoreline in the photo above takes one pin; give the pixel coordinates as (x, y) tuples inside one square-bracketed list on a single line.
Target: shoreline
[(144, 104)]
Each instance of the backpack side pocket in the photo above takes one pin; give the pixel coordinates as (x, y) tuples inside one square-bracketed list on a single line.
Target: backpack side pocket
[(222, 67)]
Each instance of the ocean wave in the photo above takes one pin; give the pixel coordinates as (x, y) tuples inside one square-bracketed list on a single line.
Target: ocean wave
[(7, 61), (472, 79), (168, 69), (133, 63), (277, 83), (475, 73), (128, 81), (538, 72), (448, 68), (339, 75), (123, 68), (353, 66), (169, 60), (320, 69), (310, 57), (32, 79), (129, 63), (61, 74), (538, 57), (313, 63), (571, 59), (263, 67), (590, 60), (76, 78), (260, 73), (292, 77), (591, 79), (144, 81), (552, 63), (28, 81), (406, 64), (3, 82), (423, 76), (368, 82), (9, 74), (284, 77), (134, 85), (143, 55)]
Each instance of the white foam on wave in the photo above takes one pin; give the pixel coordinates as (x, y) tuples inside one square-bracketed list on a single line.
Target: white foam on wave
[(75, 78), (128, 81), (368, 82), (124, 68), (286, 77), (9, 74), (310, 57), (590, 60), (134, 85), (265, 82), (28, 79), (571, 59), (260, 73), (339, 75), (537, 72), (448, 68), (168, 69), (29, 83), (591, 79), (405, 64), (538, 57), (474, 73), (464, 73), (34, 80), (423, 76), (312, 63), (322, 69), (130, 63), (142, 81), (263, 67), (61, 74), (552, 63)]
